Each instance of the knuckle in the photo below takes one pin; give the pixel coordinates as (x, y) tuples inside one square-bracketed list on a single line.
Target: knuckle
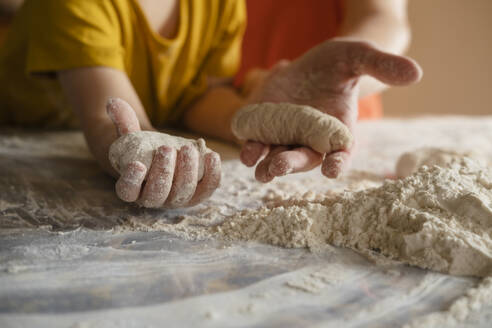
[(165, 150)]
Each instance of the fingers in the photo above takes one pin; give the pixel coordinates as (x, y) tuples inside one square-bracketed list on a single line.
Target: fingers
[(172, 180), (129, 184), (185, 177), (292, 161), (387, 68), (251, 152), (160, 178), (122, 115), (210, 180), (262, 172), (334, 164)]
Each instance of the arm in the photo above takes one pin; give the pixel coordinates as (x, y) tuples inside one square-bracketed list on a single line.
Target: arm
[(87, 90), (381, 22), (212, 113), (343, 69)]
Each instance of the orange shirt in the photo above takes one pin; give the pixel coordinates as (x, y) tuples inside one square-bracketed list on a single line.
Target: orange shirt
[(286, 29)]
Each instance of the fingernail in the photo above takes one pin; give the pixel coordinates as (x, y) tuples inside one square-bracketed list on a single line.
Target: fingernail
[(332, 170), (280, 167), (110, 101), (164, 150), (186, 148), (246, 159)]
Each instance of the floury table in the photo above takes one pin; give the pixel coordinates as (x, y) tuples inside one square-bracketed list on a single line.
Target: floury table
[(72, 255)]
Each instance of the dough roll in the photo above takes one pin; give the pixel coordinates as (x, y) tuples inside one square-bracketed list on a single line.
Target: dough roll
[(291, 124)]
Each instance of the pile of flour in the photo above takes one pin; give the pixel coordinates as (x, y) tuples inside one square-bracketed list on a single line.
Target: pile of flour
[(410, 162), (438, 218), (460, 309)]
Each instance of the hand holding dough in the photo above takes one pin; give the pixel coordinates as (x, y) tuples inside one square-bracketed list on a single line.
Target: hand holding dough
[(291, 124), (326, 78), (178, 172)]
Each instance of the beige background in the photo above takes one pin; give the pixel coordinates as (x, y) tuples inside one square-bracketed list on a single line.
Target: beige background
[(452, 40)]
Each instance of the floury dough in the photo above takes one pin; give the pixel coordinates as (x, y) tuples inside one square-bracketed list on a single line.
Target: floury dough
[(290, 124), (439, 218), (140, 146)]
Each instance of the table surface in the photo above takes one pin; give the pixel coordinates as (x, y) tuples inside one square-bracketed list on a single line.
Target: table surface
[(73, 255)]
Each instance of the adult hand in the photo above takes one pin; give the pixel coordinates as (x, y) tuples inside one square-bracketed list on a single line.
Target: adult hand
[(326, 77)]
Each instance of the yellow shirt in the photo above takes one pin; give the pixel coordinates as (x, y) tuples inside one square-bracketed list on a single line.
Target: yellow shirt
[(167, 74)]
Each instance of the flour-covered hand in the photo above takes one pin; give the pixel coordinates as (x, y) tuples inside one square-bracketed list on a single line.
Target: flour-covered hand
[(326, 78), (157, 169)]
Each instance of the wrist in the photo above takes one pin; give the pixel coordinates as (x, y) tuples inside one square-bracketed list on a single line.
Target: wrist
[(99, 138), (212, 114)]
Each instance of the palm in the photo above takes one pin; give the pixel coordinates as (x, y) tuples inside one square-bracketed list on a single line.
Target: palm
[(326, 78)]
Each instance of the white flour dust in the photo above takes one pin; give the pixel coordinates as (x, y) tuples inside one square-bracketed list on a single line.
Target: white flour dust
[(314, 282), (460, 309), (311, 283), (410, 162), (438, 218)]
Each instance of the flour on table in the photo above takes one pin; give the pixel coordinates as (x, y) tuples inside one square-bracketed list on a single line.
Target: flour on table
[(141, 146), (313, 282), (410, 162), (460, 309), (439, 218), (290, 124)]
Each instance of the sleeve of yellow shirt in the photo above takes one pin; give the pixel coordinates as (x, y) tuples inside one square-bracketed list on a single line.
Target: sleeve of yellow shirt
[(67, 34)]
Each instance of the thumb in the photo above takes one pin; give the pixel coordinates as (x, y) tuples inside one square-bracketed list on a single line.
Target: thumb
[(387, 68), (122, 115)]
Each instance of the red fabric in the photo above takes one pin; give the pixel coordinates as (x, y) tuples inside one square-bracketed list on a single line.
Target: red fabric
[(285, 29)]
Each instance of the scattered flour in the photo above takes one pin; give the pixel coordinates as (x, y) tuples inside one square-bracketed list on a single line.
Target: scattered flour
[(436, 205), (290, 124), (211, 315), (410, 162), (438, 218), (460, 309), (317, 280)]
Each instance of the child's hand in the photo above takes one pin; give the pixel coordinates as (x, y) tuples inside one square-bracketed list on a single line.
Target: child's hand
[(326, 78), (172, 179)]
